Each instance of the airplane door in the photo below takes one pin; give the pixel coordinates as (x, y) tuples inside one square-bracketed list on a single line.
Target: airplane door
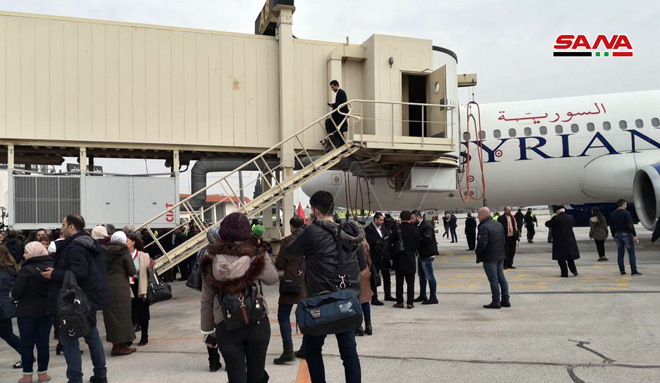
[(437, 94)]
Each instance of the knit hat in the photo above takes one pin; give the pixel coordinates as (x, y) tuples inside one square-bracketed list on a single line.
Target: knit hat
[(258, 231), (119, 237), (235, 227), (99, 232)]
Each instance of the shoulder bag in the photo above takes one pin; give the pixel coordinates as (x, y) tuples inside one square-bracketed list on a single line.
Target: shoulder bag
[(157, 290), (331, 312)]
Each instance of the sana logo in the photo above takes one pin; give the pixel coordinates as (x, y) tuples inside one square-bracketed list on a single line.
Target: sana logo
[(602, 46)]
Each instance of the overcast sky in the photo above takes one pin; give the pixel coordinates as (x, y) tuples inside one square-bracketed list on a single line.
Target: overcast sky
[(508, 44)]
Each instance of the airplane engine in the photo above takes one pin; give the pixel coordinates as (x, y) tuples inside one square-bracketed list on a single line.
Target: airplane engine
[(646, 195)]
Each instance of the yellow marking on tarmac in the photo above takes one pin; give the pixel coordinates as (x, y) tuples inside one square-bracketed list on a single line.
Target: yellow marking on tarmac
[(623, 284), (303, 373)]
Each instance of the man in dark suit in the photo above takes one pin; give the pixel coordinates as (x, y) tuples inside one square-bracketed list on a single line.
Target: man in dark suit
[(337, 117), (377, 236), (508, 222), (470, 231), (405, 262)]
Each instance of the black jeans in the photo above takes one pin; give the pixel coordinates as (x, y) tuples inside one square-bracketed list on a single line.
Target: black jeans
[(7, 333), (244, 351), (410, 281), (35, 330), (600, 246), (531, 231), (564, 268), (509, 251), (347, 350), (471, 239)]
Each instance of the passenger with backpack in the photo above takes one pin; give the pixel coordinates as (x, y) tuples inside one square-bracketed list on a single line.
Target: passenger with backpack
[(233, 274), (78, 278), (31, 293)]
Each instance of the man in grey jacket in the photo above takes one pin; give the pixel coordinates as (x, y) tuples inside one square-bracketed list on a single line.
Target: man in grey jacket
[(491, 240)]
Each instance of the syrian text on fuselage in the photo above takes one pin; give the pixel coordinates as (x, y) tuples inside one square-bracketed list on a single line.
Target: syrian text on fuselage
[(532, 147)]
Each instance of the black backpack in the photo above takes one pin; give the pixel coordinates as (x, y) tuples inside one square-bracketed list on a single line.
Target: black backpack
[(74, 313), (243, 308)]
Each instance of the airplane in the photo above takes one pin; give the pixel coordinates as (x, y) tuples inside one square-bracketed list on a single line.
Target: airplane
[(580, 152)]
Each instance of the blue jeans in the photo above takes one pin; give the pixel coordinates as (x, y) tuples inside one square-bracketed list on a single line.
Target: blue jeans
[(74, 361), (7, 333), (425, 267), (347, 350), (35, 330), (625, 241), (495, 273), (454, 237), (284, 318)]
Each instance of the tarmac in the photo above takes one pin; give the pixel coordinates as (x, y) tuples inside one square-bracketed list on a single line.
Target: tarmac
[(597, 327)]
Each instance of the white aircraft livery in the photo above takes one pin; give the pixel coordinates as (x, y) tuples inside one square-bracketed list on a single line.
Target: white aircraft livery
[(566, 151)]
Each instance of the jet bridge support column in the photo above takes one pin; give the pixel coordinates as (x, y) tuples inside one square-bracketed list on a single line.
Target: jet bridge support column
[(285, 36)]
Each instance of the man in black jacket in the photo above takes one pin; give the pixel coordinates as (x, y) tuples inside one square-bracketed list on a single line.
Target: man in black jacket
[(404, 262), (512, 232), (564, 245), (322, 242), (377, 237), (625, 236), (470, 231), (490, 251), (428, 249), (453, 224), (80, 254), (337, 117)]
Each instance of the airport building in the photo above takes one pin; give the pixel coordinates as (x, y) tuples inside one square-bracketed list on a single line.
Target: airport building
[(225, 102)]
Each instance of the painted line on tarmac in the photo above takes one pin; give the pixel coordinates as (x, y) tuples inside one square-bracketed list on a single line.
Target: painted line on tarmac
[(303, 373)]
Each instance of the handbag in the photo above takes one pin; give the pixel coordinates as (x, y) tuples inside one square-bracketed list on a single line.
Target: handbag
[(331, 312), (291, 286), (195, 279), (157, 290)]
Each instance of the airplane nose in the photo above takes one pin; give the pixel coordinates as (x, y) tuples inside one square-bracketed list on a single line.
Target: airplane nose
[(312, 186)]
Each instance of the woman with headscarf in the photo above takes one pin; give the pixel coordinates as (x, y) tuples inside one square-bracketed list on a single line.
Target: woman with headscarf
[(117, 317), (139, 304), (31, 293), (8, 270), (598, 232)]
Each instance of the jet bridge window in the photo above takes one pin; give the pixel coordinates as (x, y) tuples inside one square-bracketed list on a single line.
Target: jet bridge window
[(575, 128), (655, 122), (607, 125), (512, 132), (591, 127), (639, 123), (559, 129), (623, 125), (497, 133), (543, 130), (528, 131)]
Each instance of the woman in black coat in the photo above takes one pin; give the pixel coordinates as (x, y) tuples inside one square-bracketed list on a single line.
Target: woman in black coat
[(34, 323), (8, 271), (564, 246)]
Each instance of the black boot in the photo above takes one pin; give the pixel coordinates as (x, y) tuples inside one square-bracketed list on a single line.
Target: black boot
[(359, 331), (300, 353), (214, 359), (145, 333), (367, 328), (287, 355)]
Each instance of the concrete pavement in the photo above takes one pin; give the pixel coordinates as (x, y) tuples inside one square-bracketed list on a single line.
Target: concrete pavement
[(598, 327)]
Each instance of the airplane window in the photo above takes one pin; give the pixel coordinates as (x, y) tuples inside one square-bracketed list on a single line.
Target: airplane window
[(559, 129), (512, 132), (465, 136), (639, 123), (607, 125), (528, 132), (543, 130), (575, 128), (482, 135), (497, 133), (655, 122), (591, 127), (623, 125)]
